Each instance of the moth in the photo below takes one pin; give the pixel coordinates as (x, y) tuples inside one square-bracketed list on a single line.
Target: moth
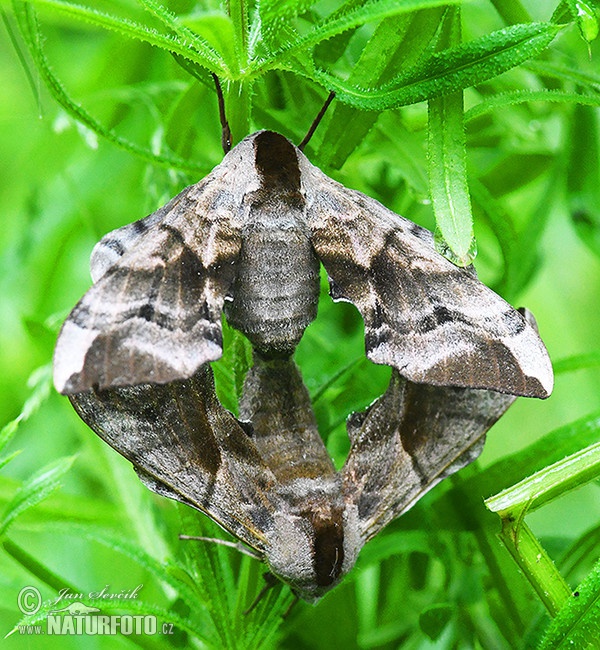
[(248, 240), (267, 478)]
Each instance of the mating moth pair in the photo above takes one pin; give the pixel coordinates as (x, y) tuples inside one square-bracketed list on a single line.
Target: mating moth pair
[(248, 240)]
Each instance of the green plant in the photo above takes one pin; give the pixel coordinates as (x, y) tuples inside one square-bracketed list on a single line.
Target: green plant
[(511, 126)]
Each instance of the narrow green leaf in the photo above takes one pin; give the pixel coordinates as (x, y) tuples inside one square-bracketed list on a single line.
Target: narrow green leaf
[(583, 552), (368, 11), (36, 568), (577, 362), (512, 11), (501, 100), (583, 172), (162, 570), (31, 34), (450, 70), (434, 619), (587, 15), (396, 42), (582, 78), (25, 64), (183, 35), (192, 48), (319, 391), (35, 489), (448, 179), (238, 13), (578, 622), (40, 382), (550, 448), (281, 10), (524, 255), (497, 217)]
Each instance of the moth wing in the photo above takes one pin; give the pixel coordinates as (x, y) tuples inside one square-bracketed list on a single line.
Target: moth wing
[(410, 439), (431, 320), (154, 313), (111, 248), (186, 446)]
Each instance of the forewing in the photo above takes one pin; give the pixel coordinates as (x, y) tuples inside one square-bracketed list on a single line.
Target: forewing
[(431, 320), (410, 439), (186, 446), (111, 248), (154, 313)]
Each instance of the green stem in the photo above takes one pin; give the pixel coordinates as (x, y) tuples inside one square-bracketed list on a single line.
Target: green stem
[(513, 504), (512, 11), (238, 12), (535, 563), (237, 106), (548, 484)]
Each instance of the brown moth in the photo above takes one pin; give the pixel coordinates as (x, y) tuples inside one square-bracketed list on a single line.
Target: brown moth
[(268, 479), (248, 239)]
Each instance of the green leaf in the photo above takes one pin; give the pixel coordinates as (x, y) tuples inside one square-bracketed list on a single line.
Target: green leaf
[(189, 46), (515, 97), (448, 179), (163, 571), (35, 489), (29, 27), (452, 69), (579, 76), (40, 382), (434, 619), (272, 11), (396, 42), (577, 625), (512, 11), (577, 362), (583, 172), (587, 15), (552, 447), (36, 568), (349, 16)]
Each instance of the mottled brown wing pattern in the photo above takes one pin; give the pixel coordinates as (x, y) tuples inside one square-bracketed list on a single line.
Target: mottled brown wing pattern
[(134, 353), (154, 313), (432, 321), (186, 446), (410, 439)]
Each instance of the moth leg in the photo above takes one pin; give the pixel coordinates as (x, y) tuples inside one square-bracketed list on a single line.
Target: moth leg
[(270, 582), (292, 605), (238, 546)]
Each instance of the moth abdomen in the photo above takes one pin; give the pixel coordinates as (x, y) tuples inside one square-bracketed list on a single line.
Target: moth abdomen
[(276, 288)]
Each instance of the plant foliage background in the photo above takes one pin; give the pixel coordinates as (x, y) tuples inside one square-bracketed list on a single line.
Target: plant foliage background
[(100, 125)]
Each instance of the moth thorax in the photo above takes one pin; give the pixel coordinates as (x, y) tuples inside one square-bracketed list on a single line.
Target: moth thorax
[(275, 293)]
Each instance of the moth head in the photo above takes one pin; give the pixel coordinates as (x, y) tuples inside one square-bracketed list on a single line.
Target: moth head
[(313, 550)]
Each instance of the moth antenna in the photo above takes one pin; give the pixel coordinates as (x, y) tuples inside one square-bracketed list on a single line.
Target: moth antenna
[(270, 582), (315, 124), (225, 130), (224, 542)]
